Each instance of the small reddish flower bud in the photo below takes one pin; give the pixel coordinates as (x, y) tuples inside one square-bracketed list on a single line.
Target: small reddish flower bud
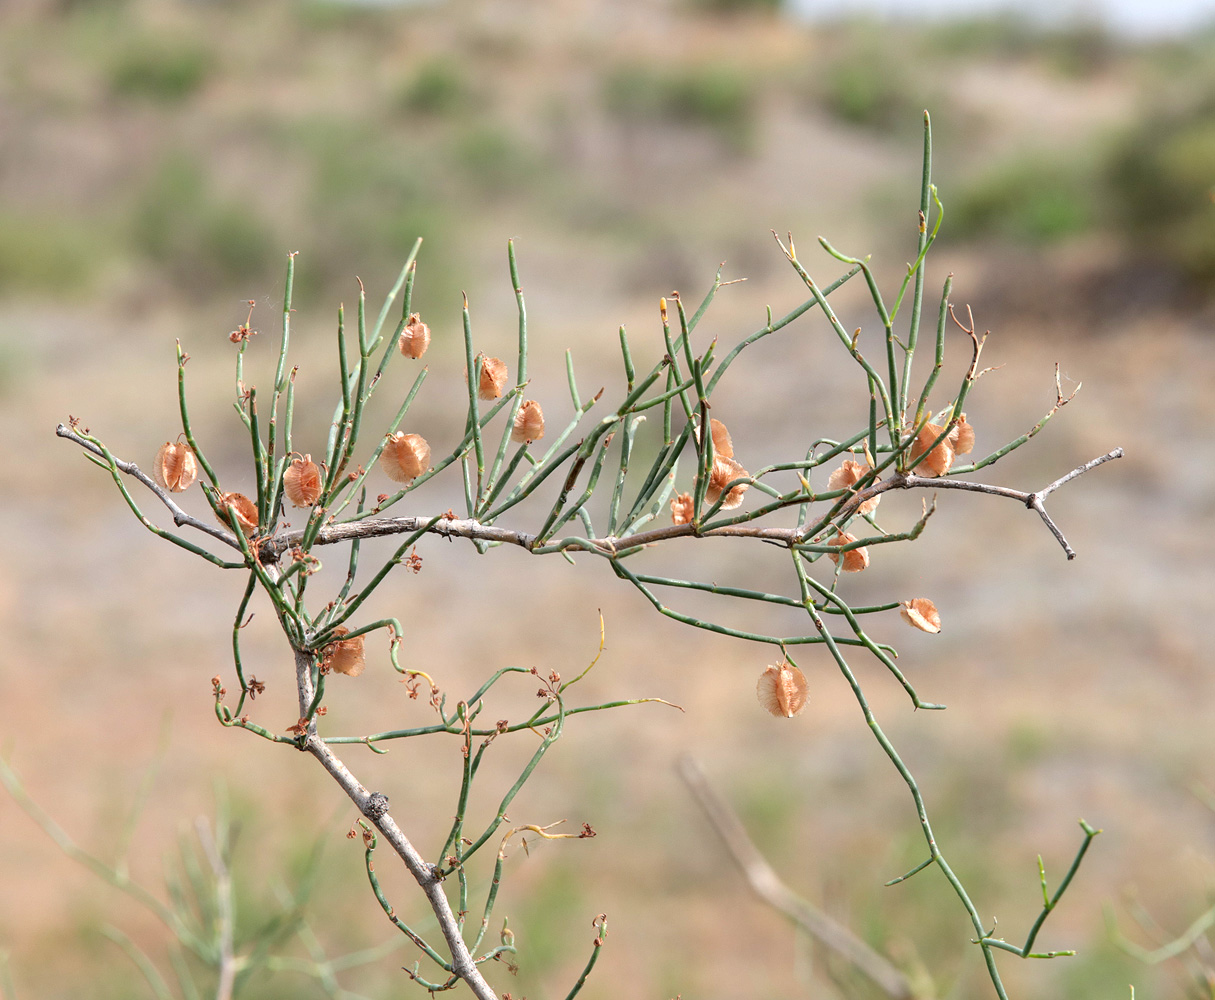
[(921, 613), (244, 508), (493, 378), (681, 508), (962, 437), (302, 482), (415, 338), (529, 423), (937, 461), (726, 470), (405, 457), (345, 656), (175, 467), (847, 476), (855, 560), (782, 690)]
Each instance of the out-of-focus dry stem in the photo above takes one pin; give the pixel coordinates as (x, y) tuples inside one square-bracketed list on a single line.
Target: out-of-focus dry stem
[(772, 890)]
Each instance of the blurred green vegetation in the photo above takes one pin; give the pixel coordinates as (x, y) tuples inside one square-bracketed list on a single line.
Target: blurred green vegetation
[(868, 81), (1030, 198), (1162, 177), (160, 68), (737, 6), (377, 125), (440, 87), (42, 253), (1079, 48), (721, 97), (205, 241)]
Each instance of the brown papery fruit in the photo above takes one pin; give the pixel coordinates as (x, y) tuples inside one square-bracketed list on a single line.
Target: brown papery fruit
[(681, 508), (962, 437), (175, 467), (405, 457), (725, 470), (782, 690), (921, 613), (415, 338), (529, 423), (847, 476), (493, 378), (344, 656), (855, 560), (937, 461), (302, 482), (244, 508), (722, 445)]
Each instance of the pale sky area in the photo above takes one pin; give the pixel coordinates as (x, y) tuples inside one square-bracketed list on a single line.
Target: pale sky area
[(1134, 17)]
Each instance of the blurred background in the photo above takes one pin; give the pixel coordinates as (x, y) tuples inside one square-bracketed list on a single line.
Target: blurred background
[(159, 159)]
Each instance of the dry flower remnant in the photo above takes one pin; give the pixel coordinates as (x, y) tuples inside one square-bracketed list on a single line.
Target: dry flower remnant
[(244, 509), (344, 656), (782, 690), (726, 470), (415, 338), (493, 378), (302, 482), (405, 457), (855, 560), (529, 423), (175, 467), (681, 508), (846, 477), (921, 613)]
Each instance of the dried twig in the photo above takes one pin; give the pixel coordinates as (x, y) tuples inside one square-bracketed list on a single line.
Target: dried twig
[(763, 879)]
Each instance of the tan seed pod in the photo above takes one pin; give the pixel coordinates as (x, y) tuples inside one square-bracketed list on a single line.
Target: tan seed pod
[(493, 378), (937, 461), (529, 423), (725, 470), (302, 482), (722, 445), (244, 508), (921, 613), (681, 508), (782, 690), (175, 467), (405, 457), (345, 656), (415, 338), (847, 476), (855, 560), (962, 437)]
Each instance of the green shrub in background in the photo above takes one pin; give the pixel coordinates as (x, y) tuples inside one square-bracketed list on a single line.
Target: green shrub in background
[(43, 253), (203, 241), (719, 97), (160, 69), (866, 80), (1162, 182), (438, 88), (738, 6), (1031, 199)]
